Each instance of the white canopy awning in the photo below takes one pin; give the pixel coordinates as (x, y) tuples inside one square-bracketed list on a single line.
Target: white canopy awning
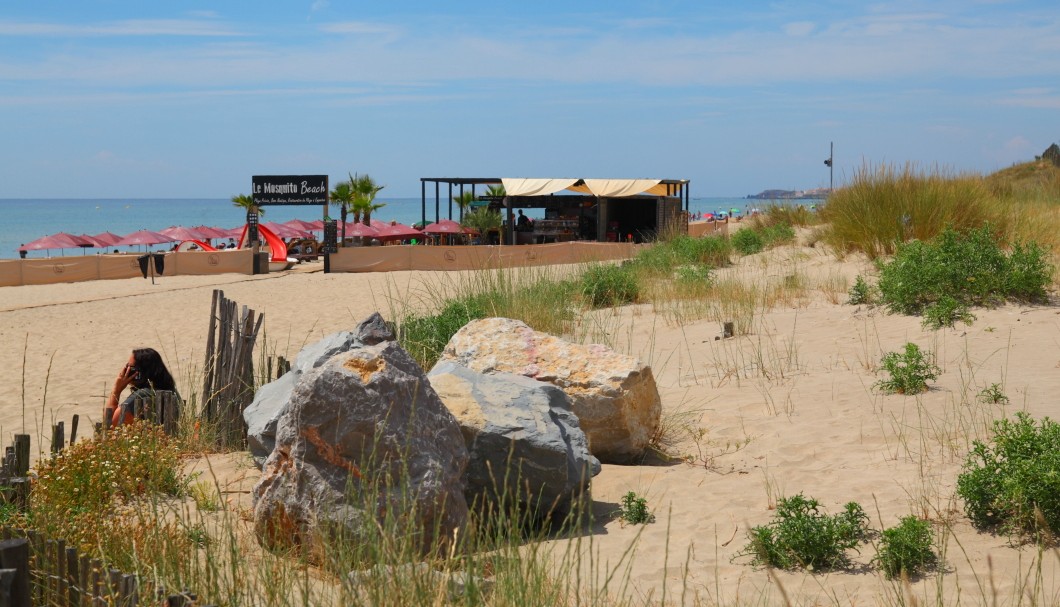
[(535, 187), (615, 188)]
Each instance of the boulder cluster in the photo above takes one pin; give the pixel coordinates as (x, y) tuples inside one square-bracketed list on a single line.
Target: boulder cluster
[(356, 439)]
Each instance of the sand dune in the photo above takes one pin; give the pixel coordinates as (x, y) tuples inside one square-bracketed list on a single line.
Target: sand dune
[(789, 408)]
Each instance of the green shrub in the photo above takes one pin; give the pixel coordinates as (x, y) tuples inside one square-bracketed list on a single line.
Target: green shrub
[(861, 292), (1005, 482), (993, 395), (609, 285), (635, 510), (424, 337), (800, 535), (777, 234), (956, 271), (748, 241), (946, 312), (664, 256), (78, 494), (906, 549), (909, 371)]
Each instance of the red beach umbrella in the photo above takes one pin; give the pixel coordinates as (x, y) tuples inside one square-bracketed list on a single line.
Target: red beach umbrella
[(144, 237), (283, 230), (398, 230), (317, 225), (92, 241), (304, 226), (445, 226), (359, 229), (107, 238), (182, 233), (209, 232), (62, 240)]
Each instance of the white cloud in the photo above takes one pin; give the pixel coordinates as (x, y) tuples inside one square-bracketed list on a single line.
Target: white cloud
[(799, 28)]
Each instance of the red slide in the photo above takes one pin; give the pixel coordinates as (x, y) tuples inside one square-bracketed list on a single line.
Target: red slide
[(187, 244), (276, 244)]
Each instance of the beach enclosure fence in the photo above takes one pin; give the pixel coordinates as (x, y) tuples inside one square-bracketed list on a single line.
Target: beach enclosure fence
[(79, 268)]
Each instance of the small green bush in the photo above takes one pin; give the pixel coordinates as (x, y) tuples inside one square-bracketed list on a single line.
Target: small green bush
[(946, 312), (1005, 482), (860, 293), (747, 241), (609, 285), (635, 510), (424, 337), (993, 395), (909, 371), (906, 549), (778, 234), (959, 270), (800, 535), (664, 256)]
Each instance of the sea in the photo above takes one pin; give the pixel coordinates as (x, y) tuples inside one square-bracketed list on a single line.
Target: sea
[(24, 220)]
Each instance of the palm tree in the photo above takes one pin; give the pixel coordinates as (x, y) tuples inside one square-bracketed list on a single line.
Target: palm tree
[(495, 191), (342, 195), (247, 202), (463, 200), (483, 220), (365, 190), (369, 209)]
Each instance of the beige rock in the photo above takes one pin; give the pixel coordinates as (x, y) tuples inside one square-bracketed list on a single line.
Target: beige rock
[(613, 395)]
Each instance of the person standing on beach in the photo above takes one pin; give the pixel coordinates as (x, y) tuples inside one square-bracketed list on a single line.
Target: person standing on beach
[(147, 374)]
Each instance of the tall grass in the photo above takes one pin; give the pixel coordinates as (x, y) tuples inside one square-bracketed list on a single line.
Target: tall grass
[(885, 204)]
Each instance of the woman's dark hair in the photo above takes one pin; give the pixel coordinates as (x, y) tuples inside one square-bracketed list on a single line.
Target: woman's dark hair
[(153, 372)]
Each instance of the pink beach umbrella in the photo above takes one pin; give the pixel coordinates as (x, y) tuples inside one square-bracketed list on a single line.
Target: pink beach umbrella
[(398, 230), (183, 233), (92, 241), (445, 226), (209, 232), (284, 231), (107, 238), (144, 237), (62, 240), (359, 229), (305, 226)]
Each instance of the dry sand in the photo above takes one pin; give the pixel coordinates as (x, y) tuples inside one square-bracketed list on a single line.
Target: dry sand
[(789, 408)]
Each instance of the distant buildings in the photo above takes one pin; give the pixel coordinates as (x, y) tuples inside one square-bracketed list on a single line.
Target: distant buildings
[(814, 194)]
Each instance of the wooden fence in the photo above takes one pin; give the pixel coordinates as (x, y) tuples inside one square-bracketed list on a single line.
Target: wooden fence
[(36, 570), (228, 386)]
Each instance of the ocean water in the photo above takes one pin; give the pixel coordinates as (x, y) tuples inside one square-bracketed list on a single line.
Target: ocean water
[(23, 220)]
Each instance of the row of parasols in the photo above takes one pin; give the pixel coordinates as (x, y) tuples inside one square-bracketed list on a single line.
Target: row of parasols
[(295, 228)]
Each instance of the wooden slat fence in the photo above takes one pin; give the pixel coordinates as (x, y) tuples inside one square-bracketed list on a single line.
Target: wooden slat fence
[(36, 570), (228, 385)]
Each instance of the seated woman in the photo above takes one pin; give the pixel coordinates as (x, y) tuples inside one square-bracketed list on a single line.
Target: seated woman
[(148, 376)]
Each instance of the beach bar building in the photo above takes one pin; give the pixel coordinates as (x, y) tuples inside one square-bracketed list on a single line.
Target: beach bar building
[(601, 210)]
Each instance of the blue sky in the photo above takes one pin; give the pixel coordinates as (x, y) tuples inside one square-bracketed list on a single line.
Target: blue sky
[(186, 99)]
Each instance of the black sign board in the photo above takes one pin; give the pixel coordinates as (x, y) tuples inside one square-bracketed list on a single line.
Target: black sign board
[(331, 236), (289, 189)]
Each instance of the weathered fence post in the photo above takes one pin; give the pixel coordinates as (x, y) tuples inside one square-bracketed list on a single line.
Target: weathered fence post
[(14, 555), (229, 367)]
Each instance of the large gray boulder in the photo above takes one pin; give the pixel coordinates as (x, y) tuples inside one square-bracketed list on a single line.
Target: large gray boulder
[(364, 445), (524, 441), (614, 395), (271, 400)]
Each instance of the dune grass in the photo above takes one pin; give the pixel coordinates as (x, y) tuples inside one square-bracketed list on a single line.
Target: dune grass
[(886, 204)]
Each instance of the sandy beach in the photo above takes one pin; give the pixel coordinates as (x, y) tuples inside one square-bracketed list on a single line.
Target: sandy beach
[(789, 408)]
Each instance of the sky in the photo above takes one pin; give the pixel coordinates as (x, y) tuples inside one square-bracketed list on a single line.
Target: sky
[(186, 99)]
